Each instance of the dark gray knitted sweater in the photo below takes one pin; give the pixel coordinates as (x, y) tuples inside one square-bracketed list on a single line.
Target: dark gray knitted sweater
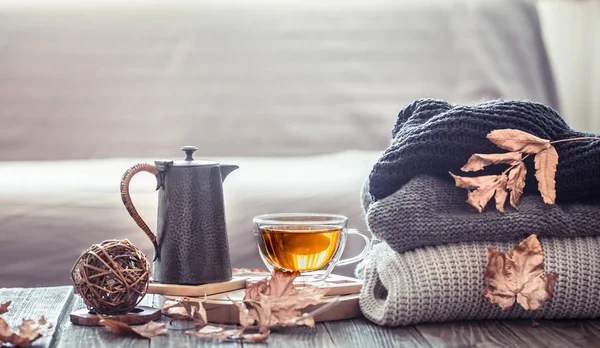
[(434, 137), (431, 211)]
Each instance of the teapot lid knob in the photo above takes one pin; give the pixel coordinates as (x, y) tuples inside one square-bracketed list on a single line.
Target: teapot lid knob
[(189, 150)]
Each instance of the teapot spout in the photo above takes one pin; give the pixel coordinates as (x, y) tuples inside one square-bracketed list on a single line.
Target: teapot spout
[(226, 169)]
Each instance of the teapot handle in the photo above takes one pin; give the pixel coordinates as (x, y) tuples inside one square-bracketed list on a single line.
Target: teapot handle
[(140, 167)]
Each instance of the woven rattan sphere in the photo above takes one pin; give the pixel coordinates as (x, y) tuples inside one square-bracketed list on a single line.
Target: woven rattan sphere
[(111, 277)]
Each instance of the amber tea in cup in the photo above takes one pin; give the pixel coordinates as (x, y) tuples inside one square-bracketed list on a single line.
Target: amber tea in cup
[(308, 243)]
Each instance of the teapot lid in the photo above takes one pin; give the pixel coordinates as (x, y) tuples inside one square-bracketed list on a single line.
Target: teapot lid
[(189, 160)]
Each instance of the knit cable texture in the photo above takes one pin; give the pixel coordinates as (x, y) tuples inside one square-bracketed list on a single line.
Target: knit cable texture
[(434, 137), (445, 283)]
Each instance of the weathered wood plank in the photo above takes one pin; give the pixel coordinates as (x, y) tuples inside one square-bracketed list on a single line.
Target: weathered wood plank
[(301, 337), (469, 334), (556, 333), (362, 333), (69, 335), (176, 336), (33, 303)]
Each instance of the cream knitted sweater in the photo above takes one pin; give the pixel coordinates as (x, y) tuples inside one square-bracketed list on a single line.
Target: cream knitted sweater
[(444, 283)]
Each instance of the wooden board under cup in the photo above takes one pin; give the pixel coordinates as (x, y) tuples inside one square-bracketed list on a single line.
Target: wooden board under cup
[(196, 290)]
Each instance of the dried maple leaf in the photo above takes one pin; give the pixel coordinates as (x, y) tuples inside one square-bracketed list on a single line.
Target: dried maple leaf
[(276, 302), (519, 275), (183, 308), (29, 331), (5, 307), (147, 330), (545, 170), (479, 161), (516, 140), (516, 183)]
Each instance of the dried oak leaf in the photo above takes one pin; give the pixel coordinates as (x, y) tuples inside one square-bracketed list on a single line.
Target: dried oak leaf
[(219, 332), (517, 140), (276, 302), (516, 183), (483, 189), (183, 308), (545, 170), (479, 161), (4, 307), (519, 275), (147, 330), (29, 331)]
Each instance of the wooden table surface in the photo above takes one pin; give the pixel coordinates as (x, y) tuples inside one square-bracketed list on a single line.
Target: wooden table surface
[(55, 303)]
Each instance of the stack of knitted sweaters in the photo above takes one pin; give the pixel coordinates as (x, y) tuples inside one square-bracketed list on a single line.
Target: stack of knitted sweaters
[(430, 249)]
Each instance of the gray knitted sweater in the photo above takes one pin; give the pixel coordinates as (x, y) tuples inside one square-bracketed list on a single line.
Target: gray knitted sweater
[(430, 211), (444, 283)]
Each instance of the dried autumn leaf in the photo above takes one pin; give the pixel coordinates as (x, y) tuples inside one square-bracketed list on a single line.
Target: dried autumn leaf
[(474, 182), (5, 307), (516, 183), (479, 161), (29, 331), (218, 332), (517, 140), (519, 275), (261, 336), (545, 170), (147, 330), (480, 197), (183, 308), (501, 193), (276, 302)]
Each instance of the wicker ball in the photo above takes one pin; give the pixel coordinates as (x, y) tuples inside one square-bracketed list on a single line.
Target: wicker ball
[(112, 277)]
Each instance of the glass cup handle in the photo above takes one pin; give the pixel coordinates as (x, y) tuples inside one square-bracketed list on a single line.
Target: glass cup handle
[(363, 253)]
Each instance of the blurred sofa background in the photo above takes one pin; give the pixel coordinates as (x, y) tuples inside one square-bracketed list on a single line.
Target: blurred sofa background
[(302, 95)]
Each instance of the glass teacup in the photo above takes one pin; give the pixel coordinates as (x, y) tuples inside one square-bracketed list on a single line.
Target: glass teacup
[(311, 243)]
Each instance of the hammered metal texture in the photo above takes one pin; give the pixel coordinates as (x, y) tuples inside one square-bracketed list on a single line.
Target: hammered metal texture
[(191, 228)]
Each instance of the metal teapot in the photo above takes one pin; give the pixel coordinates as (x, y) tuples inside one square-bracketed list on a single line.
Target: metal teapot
[(190, 246)]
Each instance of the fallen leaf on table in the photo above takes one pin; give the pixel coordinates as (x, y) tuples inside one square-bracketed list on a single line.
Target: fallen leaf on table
[(5, 307), (545, 170), (479, 161), (275, 301), (516, 183), (147, 330), (218, 332), (29, 331), (517, 140), (261, 336), (519, 275), (183, 308)]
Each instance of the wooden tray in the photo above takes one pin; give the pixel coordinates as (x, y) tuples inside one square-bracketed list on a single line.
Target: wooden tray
[(341, 301)]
